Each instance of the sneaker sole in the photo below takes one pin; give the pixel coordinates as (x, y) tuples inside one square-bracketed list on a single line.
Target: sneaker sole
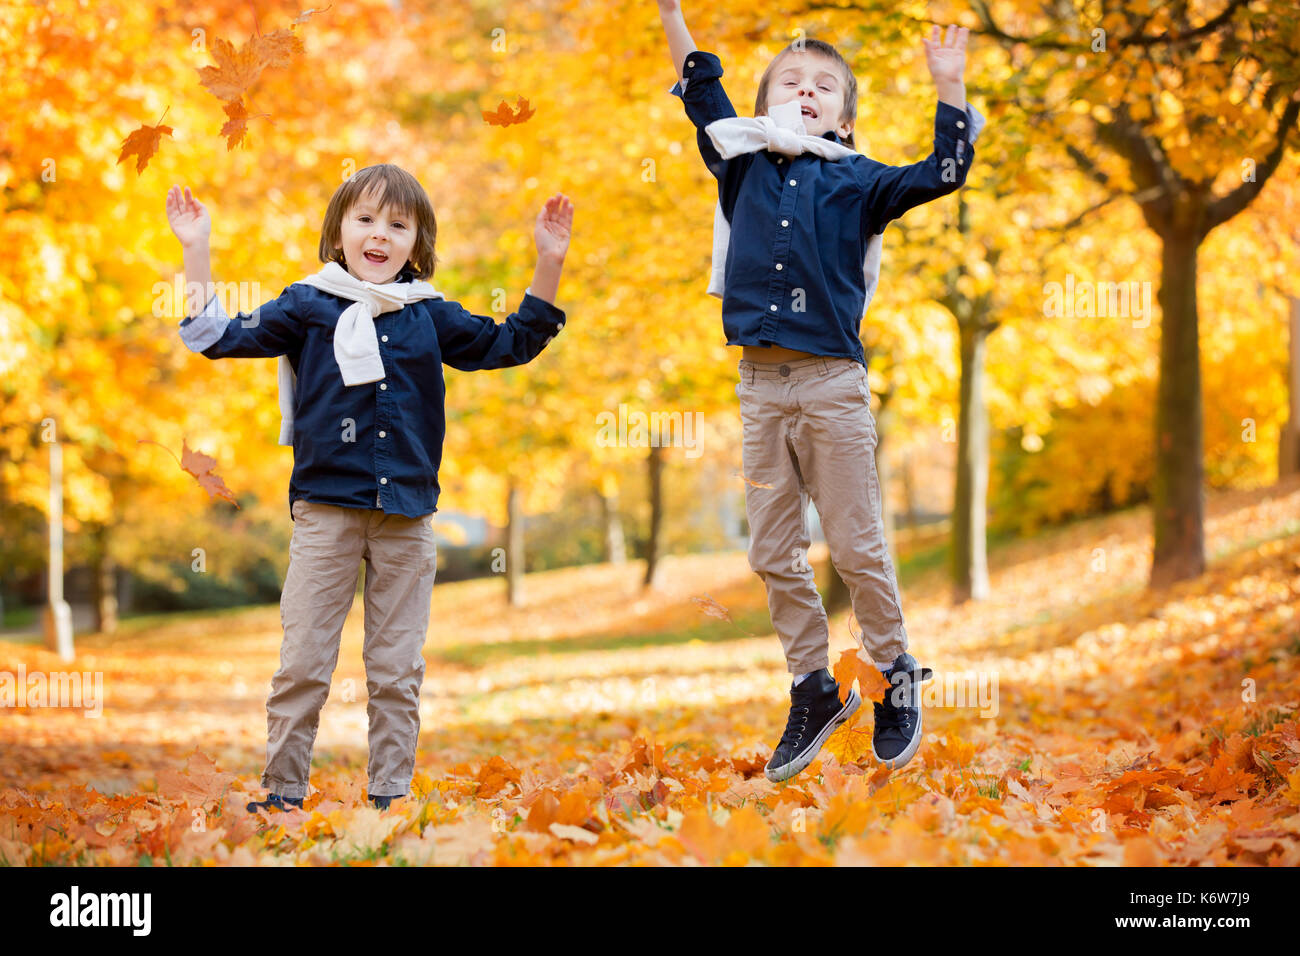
[(777, 774)]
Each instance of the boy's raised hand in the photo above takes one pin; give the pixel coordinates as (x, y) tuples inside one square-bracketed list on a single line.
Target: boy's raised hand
[(946, 56), (188, 217), (554, 227)]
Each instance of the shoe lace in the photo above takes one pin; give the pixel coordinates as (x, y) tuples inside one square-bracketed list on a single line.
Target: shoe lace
[(797, 722), (889, 714)]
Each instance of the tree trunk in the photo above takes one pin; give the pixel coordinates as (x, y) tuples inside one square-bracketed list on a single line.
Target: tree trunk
[(1178, 502), (103, 583), (612, 526), (656, 463), (909, 490), (1288, 453), (514, 546), (970, 578)]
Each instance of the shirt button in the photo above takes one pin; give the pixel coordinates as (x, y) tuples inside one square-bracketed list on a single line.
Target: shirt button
[(961, 125), (779, 267), (383, 481), (779, 160), (773, 308), (383, 434), (383, 338), (383, 387), (690, 62), (794, 182), (785, 222)]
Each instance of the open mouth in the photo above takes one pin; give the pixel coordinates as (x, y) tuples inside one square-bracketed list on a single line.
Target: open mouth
[(809, 111), (375, 256)]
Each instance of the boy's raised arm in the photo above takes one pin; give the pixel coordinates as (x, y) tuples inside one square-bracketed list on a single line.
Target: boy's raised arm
[(471, 342), (269, 330), (192, 225), (892, 190), (680, 44)]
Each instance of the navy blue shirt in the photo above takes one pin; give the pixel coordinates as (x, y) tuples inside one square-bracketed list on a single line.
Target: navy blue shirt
[(800, 224), (388, 456)]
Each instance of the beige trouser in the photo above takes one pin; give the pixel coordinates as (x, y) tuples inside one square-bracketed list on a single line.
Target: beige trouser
[(808, 429), (401, 560)]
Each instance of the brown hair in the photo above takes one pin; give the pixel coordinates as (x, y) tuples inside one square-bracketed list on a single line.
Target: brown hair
[(850, 113), (390, 184)]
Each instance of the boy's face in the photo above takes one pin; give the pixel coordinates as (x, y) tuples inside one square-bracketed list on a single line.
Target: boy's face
[(816, 84), (376, 242)]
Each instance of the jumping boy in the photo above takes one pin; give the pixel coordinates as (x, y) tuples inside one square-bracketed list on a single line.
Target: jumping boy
[(796, 258)]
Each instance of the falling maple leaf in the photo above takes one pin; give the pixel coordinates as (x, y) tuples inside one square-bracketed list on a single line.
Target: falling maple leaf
[(200, 466), (143, 143), (236, 70), (855, 665), (277, 48), (237, 124), (236, 127), (714, 609), (503, 115)]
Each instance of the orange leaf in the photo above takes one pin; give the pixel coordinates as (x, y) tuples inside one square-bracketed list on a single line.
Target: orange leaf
[(543, 812), (854, 664), (200, 466), (503, 115), (236, 70), (494, 775), (143, 143), (851, 744), (237, 125), (278, 48)]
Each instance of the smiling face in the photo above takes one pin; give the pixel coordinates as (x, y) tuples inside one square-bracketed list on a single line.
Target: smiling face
[(816, 82), (376, 241)]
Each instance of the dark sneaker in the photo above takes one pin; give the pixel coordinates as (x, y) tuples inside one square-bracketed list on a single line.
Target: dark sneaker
[(897, 733), (815, 712), (382, 803), (275, 802)]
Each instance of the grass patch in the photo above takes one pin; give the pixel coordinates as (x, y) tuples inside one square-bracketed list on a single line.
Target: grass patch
[(709, 632)]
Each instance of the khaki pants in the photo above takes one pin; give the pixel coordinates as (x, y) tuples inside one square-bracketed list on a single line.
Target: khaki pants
[(401, 560), (808, 430)]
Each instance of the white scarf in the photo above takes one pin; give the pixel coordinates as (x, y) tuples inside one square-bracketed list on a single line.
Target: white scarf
[(356, 347), (782, 130)]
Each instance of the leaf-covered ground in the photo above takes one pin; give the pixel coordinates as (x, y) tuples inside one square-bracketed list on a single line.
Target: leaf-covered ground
[(598, 724)]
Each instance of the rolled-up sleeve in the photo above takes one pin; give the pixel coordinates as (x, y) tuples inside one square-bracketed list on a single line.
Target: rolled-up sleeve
[(472, 342), (273, 328), (889, 191)]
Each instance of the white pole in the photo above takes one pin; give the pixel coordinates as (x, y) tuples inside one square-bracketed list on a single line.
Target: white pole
[(57, 619)]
